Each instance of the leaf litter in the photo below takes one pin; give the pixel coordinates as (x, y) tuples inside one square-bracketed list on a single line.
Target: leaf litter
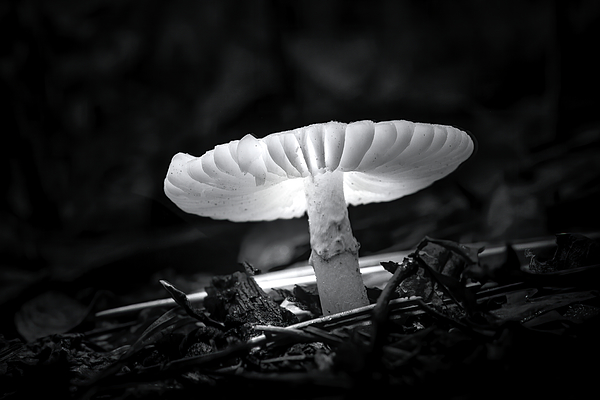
[(446, 324)]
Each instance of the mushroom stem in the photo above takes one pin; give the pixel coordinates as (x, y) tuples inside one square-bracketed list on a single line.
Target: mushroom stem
[(334, 254)]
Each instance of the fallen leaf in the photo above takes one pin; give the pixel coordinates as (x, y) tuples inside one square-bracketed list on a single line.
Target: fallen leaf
[(49, 313)]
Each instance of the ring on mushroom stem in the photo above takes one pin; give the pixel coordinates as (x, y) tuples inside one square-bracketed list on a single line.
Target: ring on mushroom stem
[(318, 169)]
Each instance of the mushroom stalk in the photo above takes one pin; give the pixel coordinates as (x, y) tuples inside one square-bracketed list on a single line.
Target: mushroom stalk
[(334, 254)]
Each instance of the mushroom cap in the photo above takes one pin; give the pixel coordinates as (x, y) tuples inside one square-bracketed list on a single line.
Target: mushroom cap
[(262, 179)]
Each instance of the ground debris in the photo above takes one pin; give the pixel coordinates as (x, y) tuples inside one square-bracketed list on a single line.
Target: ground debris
[(54, 363), (450, 338)]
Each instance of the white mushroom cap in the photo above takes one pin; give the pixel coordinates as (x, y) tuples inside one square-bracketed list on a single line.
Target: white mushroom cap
[(262, 179)]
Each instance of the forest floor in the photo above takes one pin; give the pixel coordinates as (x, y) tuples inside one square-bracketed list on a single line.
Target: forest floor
[(447, 323)]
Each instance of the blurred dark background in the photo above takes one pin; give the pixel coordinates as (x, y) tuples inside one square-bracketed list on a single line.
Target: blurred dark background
[(100, 94)]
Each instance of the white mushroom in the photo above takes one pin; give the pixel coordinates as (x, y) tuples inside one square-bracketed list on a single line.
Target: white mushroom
[(318, 169)]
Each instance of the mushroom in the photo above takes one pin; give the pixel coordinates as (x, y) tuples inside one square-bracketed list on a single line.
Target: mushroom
[(318, 169)]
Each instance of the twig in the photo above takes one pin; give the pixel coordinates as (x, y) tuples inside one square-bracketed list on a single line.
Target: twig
[(300, 357), (323, 335), (285, 332), (182, 300), (358, 314), (381, 309)]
